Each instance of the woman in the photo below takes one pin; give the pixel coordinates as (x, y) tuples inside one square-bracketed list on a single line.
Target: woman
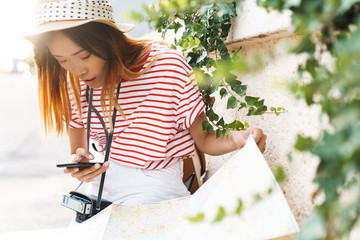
[(159, 111)]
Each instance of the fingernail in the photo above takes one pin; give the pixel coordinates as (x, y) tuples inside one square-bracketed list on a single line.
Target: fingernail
[(97, 166), (90, 156)]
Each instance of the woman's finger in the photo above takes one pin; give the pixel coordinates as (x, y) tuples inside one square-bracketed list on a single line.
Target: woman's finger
[(88, 174), (85, 171), (262, 143), (83, 153), (71, 170), (90, 177), (257, 133)]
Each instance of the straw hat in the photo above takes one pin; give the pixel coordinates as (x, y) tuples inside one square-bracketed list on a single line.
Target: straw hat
[(53, 15)]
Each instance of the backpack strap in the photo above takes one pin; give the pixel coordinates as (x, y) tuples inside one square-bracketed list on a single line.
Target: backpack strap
[(195, 168)]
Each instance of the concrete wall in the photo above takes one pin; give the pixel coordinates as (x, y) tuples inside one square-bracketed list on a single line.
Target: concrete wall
[(271, 84), (268, 34)]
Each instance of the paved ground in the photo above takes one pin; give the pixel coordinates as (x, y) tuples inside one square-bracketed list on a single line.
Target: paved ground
[(30, 184)]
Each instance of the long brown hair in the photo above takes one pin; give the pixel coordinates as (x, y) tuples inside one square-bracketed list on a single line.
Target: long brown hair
[(122, 54)]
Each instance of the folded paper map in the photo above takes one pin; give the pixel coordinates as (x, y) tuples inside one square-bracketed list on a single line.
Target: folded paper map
[(242, 200)]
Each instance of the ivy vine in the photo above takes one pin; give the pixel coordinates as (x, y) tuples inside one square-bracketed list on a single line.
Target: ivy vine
[(205, 26), (332, 28), (325, 26)]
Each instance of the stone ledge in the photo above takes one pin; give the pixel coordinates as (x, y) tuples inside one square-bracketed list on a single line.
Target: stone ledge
[(281, 33), (254, 20)]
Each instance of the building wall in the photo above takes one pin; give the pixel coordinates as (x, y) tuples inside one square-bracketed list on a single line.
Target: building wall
[(272, 85), (268, 34)]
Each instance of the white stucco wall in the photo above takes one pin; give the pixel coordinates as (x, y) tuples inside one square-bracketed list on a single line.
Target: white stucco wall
[(256, 30), (271, 84), (256, 21)]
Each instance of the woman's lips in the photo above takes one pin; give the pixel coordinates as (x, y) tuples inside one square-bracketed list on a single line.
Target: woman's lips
[(89, 81)]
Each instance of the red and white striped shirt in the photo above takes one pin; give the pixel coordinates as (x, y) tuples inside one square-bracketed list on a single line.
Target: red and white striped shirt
[(159, 106)]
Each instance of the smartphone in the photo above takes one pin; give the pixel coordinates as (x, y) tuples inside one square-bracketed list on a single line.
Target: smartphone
[(80, 165)]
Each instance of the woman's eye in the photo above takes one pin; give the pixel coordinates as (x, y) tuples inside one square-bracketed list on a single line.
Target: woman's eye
[(62, 61), (84, 58)]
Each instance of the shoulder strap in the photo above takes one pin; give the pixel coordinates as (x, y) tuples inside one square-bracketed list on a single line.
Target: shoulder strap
[(109, 136)]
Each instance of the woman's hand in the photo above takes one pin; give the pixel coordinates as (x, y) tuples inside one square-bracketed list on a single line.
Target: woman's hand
[(208, 142), (239, 138), (86, 174)]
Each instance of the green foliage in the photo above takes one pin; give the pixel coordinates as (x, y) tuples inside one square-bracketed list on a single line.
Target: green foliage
[(333, 27), (277, 110), (205, 26), (197, 218), (304, 143), (239, 208), (280, 174), (220, 215)]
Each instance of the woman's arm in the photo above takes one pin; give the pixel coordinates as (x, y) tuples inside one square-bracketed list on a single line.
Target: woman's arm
[(209, 144), (80, 153), (77, 139)]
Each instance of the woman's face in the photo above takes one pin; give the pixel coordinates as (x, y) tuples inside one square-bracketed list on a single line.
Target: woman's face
[(86, 66)]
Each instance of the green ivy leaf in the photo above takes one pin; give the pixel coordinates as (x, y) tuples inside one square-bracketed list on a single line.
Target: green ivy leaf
[(173, 46), (223, 93), (280, 174), (232, 102), (304, 143), (310, 67), (239, 207), (221, 122), (207, 126), (259, 104), (197, 218), (199, 28), (242, 105), (256, 111), (251, 100), (236, 124), (237, 87), (212, 115), (251, 111), (257, 197), (225, 132), (218, 133), (261, 110), (176, 26), (220, 215)]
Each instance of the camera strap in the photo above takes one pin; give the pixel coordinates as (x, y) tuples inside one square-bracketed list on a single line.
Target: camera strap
[(108, 135)]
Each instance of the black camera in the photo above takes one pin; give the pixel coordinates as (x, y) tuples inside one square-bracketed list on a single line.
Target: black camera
[(84, 205)]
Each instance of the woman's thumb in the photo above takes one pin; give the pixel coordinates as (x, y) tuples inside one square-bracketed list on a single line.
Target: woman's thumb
[(82, 152)]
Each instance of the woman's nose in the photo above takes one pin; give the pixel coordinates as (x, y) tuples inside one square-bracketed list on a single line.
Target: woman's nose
[(80, 71)]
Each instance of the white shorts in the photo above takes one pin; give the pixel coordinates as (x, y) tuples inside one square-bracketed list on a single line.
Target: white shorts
[(131, 186)]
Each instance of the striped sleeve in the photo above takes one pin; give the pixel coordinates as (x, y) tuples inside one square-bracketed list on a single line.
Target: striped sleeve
[(190, 104)]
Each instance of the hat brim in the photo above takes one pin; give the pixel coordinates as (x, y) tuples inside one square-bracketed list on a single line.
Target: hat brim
[(61, 25)]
